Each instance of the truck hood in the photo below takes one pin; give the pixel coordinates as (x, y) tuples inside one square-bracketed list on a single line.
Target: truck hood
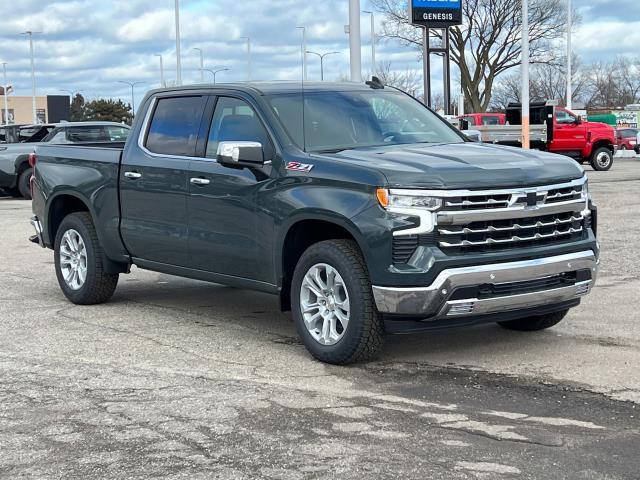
[(598, 126), (463, 165)]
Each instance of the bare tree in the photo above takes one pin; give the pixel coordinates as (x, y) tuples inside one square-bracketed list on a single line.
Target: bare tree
[(613, 84), (407, 81), (488, 44)]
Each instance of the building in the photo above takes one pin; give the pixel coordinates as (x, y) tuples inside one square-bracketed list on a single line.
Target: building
[(49, 109)]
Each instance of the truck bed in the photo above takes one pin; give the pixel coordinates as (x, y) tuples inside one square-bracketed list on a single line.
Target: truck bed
[(511, 134)]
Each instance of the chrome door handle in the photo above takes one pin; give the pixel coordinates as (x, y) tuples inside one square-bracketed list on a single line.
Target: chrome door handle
[(200, 181), (133, 175)]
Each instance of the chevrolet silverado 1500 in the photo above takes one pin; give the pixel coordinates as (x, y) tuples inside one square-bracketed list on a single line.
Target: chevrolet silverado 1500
[(358, 206)]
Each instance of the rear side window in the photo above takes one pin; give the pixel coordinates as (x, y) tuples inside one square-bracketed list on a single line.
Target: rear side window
[(490, 120), (87, 134), (174, 126)]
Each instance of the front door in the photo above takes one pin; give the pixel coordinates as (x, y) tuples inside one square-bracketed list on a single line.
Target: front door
[(569, 133), (154, 181), (224, 231)]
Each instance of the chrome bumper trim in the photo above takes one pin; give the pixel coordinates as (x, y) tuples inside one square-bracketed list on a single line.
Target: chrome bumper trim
[(37, 226), (434, 302)]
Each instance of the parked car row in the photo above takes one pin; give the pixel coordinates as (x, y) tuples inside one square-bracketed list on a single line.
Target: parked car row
[(15, 171)]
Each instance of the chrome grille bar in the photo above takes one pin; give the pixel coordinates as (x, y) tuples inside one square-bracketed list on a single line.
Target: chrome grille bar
[(516, 226), (513, 239)]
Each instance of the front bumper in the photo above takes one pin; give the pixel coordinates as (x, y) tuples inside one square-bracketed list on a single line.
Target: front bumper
[(505, 287)]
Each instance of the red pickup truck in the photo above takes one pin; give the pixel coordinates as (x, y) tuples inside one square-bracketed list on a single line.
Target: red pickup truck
[(568, 134), (475, 119)]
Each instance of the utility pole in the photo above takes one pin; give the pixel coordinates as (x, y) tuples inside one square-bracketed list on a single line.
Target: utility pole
[(178, 61), (321, 56), (33, 76), (248, 57), (215, 72), (6, 94), (569, 59), (162, 82), (133, 98), (304, 52), (525, 75), (426, 67), (201, 64), (355, 46), (373, 41)]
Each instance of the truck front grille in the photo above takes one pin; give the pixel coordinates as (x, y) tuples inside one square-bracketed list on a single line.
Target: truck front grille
[(505, 219)]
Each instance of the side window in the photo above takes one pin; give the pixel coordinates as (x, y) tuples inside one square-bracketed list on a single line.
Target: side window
[(490, 120), (234, 120), (174, 126), (564, 117), (57, 136), (86, 134), (470, 120)]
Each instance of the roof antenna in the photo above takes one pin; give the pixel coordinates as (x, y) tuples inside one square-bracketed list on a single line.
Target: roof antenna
[(375, 83)]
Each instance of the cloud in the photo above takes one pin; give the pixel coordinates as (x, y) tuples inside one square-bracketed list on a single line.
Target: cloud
[(89, 45)]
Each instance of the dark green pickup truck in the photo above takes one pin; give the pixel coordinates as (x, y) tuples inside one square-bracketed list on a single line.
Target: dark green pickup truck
[(362, 209)]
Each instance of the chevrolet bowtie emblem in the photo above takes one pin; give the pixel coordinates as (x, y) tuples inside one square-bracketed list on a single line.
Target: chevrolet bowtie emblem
[(532, 199)]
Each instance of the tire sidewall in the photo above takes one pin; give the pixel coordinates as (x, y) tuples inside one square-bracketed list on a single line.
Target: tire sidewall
[(73, 222), (24, 180), (347, 345)]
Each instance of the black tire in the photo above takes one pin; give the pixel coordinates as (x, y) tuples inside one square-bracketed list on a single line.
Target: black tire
[(599, 165), (533, 324), (623, 147), (364, 335), (98, 286), (24, 181)]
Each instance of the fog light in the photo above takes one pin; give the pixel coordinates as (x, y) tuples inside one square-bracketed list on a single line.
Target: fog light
[(461, 308)]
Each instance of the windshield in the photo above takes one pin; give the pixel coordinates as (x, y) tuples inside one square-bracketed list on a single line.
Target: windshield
[(335, 121)]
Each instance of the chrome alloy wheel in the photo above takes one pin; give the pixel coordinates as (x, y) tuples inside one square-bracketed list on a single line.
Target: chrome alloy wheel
[(324, 303), (73, 259), (603, 159)]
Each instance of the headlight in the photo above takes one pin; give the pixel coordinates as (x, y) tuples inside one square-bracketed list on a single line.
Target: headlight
[(398, 199)]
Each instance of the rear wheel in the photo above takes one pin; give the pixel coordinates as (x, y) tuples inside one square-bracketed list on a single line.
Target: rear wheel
[(333, 306), (79, 262), (602, 159), (24, 181), (532, 324)]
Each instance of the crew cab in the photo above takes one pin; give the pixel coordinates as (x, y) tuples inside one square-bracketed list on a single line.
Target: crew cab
[(558, 130), (361, 209), (15, 171)]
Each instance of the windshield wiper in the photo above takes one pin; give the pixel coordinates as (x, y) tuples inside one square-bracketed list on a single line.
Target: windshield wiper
[(332, 150)]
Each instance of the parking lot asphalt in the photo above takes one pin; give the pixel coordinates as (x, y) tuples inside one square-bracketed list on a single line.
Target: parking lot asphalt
[(181, 379)]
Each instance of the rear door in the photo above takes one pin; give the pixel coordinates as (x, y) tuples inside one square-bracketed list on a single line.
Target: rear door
[(226, 233), (154, 180)]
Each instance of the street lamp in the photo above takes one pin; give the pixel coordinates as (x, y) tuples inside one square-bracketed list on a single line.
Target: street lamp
[(162, 82), (33, 75), (304, 52), (373, 41), (215, 72), (178, 63), (321, 56), (133, 98), (248, 57), (6, 93), (569, 59), (201, 63), (525, 76)]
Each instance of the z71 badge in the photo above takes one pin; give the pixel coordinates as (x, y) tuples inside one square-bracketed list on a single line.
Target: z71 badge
[(299, 167)]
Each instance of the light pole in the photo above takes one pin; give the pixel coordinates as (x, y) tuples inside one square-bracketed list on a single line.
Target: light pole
[(201, 63), (373, 41), (304, 52), (162, 82), (321, 56), (133, 97), (355, 45), (525, 74), (215, 72), (33, 75), (248, 57), (178, 61), (569, 59), (6, 94)]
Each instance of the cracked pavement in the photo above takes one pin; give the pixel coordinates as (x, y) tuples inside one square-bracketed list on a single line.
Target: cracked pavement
[(181, 379)]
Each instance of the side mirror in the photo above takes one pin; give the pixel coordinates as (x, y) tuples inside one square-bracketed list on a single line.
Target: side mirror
[(578, 121), (240, 154)]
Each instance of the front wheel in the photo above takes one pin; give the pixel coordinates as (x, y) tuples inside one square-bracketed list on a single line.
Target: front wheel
[(533, 324), (333, 306), (79, 262), (602, 159)]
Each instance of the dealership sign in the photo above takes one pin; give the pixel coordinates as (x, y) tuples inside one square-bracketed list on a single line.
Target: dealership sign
[(435, 13)]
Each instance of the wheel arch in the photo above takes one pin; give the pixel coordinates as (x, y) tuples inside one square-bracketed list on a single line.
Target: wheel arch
[(302, 231)]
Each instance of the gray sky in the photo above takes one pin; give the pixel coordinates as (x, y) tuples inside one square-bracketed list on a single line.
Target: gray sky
[(89, 45)]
